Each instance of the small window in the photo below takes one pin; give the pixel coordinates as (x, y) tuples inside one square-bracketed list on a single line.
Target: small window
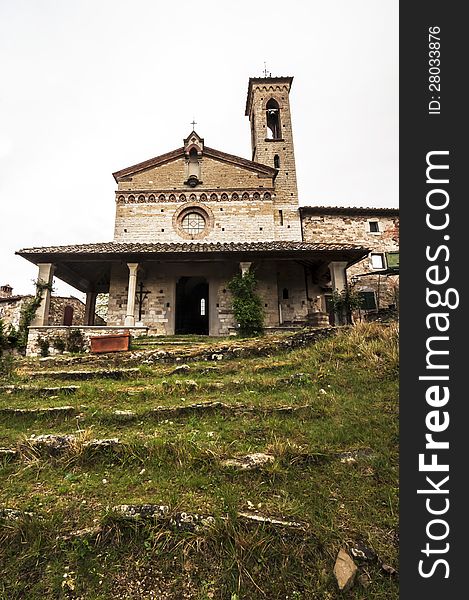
[(277, 161), (202, 307), (377, 261), (280, 215), (285, 294), (368, 300), (374, 226)]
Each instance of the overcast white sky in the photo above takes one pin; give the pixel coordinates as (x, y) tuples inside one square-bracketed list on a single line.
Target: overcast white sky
[(88, 87)]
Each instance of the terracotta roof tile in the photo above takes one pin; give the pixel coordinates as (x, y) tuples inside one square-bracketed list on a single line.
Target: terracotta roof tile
[(188, 247)]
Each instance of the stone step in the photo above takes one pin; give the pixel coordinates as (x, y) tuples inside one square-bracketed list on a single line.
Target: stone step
[(164, 412), (45, 391), (59, 444), (83, 375), (53, 411)]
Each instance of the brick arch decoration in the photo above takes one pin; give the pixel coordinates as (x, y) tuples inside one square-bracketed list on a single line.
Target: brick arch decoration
[(196, 207)]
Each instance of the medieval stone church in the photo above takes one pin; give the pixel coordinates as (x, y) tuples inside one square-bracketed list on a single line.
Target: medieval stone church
[(188, 220)]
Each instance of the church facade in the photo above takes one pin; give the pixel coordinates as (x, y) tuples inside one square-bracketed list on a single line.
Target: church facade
[(188, 220)]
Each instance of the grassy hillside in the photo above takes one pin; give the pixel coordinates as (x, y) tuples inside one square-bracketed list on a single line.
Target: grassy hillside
[(322, 418)]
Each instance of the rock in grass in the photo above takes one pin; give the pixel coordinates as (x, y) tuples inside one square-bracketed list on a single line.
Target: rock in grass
[(141, 511), (125, 415), (180, 369), (345, 570), (8, 453), (249, 462), (52, 411)]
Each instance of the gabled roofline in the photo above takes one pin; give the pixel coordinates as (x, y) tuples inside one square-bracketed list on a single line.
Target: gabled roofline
[(179, 153)]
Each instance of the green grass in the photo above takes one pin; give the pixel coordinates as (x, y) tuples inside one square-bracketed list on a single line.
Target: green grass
[(350, 384)]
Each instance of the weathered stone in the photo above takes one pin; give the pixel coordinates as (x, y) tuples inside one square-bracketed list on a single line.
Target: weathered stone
[(141, 511), (105, 444), (85, 533), (249, 462), (8, 453), (257, 518), (59, 444), (360, 550), (13, 514), (180, 369), (125, 415), (46, 391), (84, 375), (54, 444), (388, 569), (53, 411), (345, 570), (353, 455)]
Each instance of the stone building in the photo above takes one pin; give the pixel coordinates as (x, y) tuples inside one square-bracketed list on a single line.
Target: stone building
[(62, 310), (188, 220), (376, 276)]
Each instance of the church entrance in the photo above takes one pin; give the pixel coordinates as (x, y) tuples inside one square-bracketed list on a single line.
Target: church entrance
[(192, 305)]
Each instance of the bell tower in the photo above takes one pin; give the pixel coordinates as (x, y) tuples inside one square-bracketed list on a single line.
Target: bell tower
[(268, 109)]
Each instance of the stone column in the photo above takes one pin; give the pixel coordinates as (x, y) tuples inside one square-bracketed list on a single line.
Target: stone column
[(90, 308), (45, 276), (130, 315), (245, 266), (339, 284)]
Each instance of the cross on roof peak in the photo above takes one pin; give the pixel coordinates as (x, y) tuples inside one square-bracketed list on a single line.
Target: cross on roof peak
[(193, 123)]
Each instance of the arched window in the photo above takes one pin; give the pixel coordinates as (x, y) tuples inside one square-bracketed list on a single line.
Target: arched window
[(273, 120), (277, 161), (193, 168)]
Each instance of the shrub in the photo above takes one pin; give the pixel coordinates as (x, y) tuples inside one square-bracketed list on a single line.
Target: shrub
[(44, 345), (58, 343), (75, 341), (7, 365), (3, 337), (345, 302), (247, 306)]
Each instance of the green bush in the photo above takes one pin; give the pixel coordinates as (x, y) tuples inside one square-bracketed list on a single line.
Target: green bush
[(58, 343), (44, 345), (247, 306), (7, 365), (75, 341)]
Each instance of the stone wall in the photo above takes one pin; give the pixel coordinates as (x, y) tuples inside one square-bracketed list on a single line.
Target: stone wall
[(10, 310), (51, 332), (355, 229), (228, 221), (158, 309)]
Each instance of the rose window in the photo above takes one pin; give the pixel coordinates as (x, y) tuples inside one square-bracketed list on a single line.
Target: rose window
[(193, 223)]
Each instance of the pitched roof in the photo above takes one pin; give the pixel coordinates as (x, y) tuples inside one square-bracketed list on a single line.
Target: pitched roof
[(106, 248), (210, 152)]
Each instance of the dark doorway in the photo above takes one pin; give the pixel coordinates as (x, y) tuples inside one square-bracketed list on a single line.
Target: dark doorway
[(192, 305), (68, 315)]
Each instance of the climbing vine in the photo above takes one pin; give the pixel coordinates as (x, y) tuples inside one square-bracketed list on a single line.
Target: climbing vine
[(28, 312), (247, 306)]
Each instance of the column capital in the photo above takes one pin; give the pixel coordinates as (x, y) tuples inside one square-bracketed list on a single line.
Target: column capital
[(133, 267), (245, 266)]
